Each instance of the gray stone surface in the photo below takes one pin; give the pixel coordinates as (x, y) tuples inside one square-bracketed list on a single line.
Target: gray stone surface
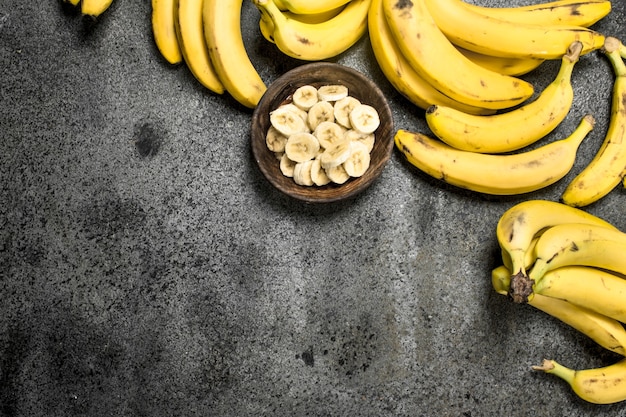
[(147, 267)]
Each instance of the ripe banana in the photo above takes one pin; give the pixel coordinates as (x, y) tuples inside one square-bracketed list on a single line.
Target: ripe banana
[(164, 30), (94, 8), (521, 224), (606, 385), (267, 26), (502, 65), (592, 288), (605, 331), (579, 244), (608, 167), (494, 174), (523, 125), (316, 41), (222, 31), (190, 33), (438, 61), (308, 6), (400, 73), (561, 12), (502, 38)]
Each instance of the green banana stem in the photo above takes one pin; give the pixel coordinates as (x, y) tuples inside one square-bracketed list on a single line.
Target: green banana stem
[(552, 367), (613, 48)]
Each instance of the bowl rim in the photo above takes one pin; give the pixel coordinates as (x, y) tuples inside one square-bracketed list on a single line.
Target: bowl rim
[(289, 81)]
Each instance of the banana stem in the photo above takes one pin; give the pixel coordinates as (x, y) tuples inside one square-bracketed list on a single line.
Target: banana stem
[(612, 49), (552, 367)]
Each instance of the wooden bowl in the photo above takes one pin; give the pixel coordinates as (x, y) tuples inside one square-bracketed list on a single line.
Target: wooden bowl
[(318, 74)]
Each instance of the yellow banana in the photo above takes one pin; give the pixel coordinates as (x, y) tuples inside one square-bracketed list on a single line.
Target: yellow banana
[(222, 31), (438, 61), (529, 254), (502, 65), (190, 33), (94, 8), (605, 331), (523, 125), (493, 174), (524, 222), (316, 42), (502, 38), (588, 287), (400, 73), (605, 385), (267, 26), (72, 2), (164, 30), (561, 12), (622, 49), (579, 244), (308, 6), (608, 166)]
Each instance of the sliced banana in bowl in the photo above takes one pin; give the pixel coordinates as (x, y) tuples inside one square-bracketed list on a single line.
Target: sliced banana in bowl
[(346, 140)]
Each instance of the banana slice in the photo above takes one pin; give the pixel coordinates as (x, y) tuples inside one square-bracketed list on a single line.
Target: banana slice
[(364, 118), (287, 166), (368, 139), (287, 121), (302, 113), (275, 140), (332, 92), (302, 173), (318, 174), (342, 109), (328, 134), (336, 155), (337, 174), (359, 160), (322, 111), (302, 147), (305, 97)]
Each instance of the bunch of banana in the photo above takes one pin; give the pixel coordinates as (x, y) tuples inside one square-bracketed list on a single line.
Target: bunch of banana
[(92, 8), (313, 31), (422, 46), (577, 274), (608, 167), (207, 36)]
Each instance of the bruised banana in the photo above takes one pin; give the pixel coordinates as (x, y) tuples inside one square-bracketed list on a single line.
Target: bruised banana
[(593, 288), (222, 31), (605, 385), (522, 223), (494, 174), (579, 244), (524, 125), (503, 38), (437, 60), (94, 8), (400, 73), (164, 30), (190, 33), (322, 40), (561, 12), (307, 7), (608, 167), (605, 331)]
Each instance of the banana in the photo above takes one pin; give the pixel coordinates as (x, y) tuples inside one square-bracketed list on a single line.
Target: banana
[(494, 174), (94, 8), (592, 288), (437, 60), (605, 385), (305, 97), (364, 119), (336, 155), (267, 26), (222, 30), (622, 50), (522, 223), (329, 134), (523, 125), (307, 7), (302, 173), (356, 136), (287, 166), (316, 42), (287, 121), (332, 92), (164, 30), (605, 331), (72, 2), (301, 147), (190, 34), (275, 140), (338, 174), (502, 65), (359, 160), (322, 111), (608, 166), (561, 12), (318, 174), (508, 39), (399, 72), (342, 109)]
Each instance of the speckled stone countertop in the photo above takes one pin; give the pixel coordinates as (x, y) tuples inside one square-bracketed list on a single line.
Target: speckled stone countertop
[(147, 268)]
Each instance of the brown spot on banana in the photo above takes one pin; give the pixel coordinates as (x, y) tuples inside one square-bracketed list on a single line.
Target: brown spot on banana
[(403, 4)]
